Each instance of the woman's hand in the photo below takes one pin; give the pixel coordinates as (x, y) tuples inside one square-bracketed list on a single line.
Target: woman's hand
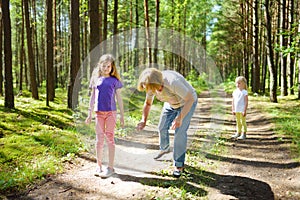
[(176, 123), (140, 126)]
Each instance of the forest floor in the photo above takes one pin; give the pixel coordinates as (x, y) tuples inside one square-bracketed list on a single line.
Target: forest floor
[(259, 167)]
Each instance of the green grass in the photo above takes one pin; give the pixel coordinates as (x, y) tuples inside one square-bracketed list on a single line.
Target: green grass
[(35, 141), (285, 116)]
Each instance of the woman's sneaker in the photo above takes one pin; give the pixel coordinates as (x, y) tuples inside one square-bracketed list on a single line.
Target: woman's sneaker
[(161, 153)]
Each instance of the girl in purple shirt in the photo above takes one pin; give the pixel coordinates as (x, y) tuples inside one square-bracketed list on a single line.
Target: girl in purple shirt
[(105, 86)]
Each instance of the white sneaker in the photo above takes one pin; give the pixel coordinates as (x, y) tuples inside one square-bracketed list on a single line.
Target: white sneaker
[(242, 137), (107, 173), (98, 171), (161, 153), (235, 135)]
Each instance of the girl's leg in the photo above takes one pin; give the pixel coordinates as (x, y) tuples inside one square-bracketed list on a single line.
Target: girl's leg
[(110, 136), (99, 138), (244, 124), (238, 122)]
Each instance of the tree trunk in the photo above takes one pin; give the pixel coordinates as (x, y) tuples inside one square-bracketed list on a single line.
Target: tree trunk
[(22, 53), (8, 86), (49, 53), (291, 56), (33, 83), (283, 44), (256, 66), (155, 60), (271, 64), (147, 31), (1, 61), (105, 13), (115, 28), (94, 32), (74, 84)]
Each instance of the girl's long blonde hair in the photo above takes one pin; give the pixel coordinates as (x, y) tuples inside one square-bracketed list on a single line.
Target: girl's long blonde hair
[(105, 59)]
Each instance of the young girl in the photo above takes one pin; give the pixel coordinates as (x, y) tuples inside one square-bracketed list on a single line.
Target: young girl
[(239, 107), (105, 86)]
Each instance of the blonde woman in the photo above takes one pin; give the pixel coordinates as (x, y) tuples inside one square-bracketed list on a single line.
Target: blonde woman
[(180, 103), (239, 107), (106, 87)]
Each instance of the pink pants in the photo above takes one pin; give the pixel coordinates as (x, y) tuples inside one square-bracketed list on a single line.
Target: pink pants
[(105, 127)]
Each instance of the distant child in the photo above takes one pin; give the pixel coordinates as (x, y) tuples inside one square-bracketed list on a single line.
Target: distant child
[(239, 107), (105, 85)]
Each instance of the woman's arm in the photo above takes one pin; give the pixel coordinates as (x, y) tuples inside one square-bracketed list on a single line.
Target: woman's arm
[(146, 111), (189, 100)]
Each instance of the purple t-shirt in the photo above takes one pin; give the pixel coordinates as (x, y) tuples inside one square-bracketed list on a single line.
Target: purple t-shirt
[(105, 93)]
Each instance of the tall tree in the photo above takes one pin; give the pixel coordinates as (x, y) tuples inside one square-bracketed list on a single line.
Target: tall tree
[(33, 82), (1, 61), (73, 88), (147, 31), (94, 31), (49, 62), (256, 65), (155, 60), (115, 28), (283, 44), (270, 55), (8, 86)]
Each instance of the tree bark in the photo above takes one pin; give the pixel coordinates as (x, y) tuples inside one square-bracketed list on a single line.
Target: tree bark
[(8, 86), (33, 82), (73, 88), (256, 66), (270, 56), (49, 53)]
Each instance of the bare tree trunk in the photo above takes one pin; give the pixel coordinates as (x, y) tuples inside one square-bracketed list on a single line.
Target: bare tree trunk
[(94, 32), (115, 28), (155, 59), (283, 44), (9, 101), (105, 13), (22, 53), (290, 58), (33, 83), (1, 61), (256, 66), (147, 32), (271, 64), (49, 53)]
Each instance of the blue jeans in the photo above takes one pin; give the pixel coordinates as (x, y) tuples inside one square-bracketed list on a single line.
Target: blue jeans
[(180, 137)]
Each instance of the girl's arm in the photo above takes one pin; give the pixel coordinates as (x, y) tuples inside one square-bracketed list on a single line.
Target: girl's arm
[(232, 106), (246, 106), (91, 107), (120, 104)]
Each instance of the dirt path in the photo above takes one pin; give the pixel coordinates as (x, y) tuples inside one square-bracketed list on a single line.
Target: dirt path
[(257, 168)]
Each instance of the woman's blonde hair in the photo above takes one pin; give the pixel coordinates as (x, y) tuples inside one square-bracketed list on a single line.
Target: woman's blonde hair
[(151, 79), (243, 80)]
